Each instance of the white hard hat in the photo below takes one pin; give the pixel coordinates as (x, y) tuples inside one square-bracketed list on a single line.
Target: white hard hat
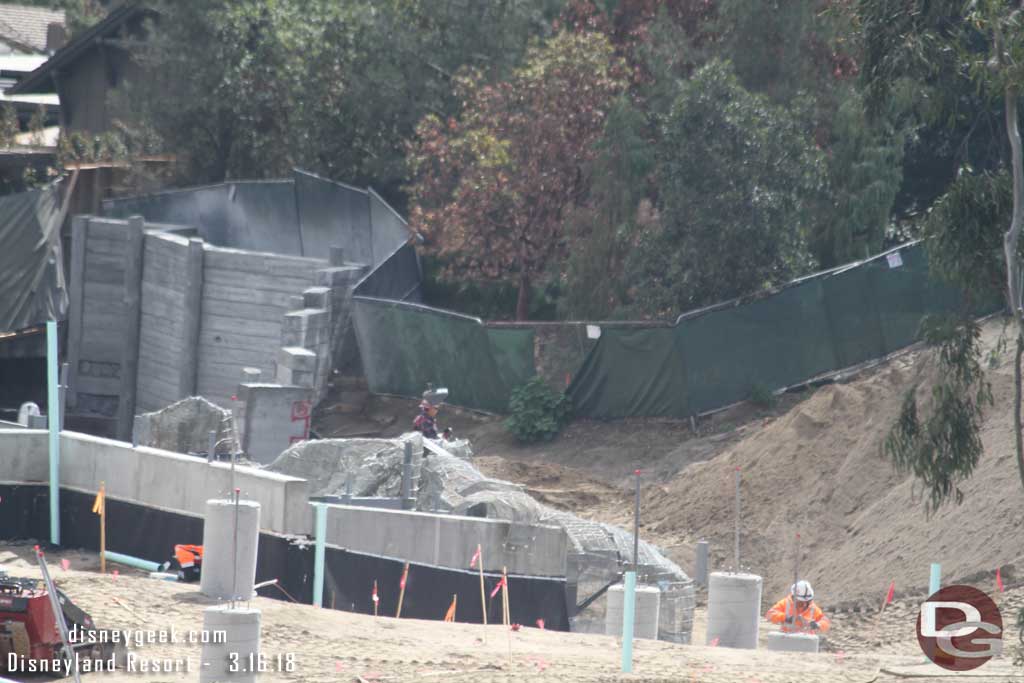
[(802, 590)]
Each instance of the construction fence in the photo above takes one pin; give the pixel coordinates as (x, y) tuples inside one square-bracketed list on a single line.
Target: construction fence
[(706, 360)]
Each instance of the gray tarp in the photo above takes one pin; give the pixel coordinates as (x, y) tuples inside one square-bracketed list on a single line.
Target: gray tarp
[(32, 288)]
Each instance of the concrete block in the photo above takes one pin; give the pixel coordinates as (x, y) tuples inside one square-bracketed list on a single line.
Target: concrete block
[(297, 358), (275, 417), (295, 303), (317, 297), (24, 455), (339, 276), (792, 642)]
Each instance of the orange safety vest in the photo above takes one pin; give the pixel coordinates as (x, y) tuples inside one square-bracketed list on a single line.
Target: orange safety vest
[(802, 622), (188, 555)]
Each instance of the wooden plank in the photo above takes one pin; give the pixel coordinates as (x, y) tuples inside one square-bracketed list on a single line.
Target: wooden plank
[(242, 295), (164, 278)]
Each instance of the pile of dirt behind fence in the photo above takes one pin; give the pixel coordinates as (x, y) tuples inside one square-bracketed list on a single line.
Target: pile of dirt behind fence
[(818, 471)]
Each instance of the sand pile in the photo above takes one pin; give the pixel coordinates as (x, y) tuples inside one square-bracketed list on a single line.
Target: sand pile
[(818, 471)]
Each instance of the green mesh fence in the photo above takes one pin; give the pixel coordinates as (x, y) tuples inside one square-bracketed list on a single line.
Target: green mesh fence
[(403, 346), (707, 360), (716, 357)]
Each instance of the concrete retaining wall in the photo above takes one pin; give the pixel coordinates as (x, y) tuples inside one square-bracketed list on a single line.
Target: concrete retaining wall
[(447, 540), (154, 477), (245, 296), (182, 483)]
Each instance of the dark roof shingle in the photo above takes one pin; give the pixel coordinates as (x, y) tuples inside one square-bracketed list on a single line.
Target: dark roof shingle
[(27, 26)]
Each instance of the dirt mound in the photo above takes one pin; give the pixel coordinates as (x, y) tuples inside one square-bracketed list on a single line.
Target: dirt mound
[(818, 471)]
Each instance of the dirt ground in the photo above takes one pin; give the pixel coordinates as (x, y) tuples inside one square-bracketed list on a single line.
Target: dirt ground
[(326, 645), (812, 465)]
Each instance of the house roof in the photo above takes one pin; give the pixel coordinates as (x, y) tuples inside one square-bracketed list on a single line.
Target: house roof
[(27, 26), (41, 80)]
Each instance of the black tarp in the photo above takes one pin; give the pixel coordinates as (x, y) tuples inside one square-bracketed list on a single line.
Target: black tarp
[(151, 533), (32, 285)]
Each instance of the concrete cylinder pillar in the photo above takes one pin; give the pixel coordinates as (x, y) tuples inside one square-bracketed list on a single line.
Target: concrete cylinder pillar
[(233, 651), (228, 574), (648, 608), (734, 609)]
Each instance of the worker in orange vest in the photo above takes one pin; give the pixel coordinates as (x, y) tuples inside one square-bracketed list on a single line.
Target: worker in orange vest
[(797, 612)]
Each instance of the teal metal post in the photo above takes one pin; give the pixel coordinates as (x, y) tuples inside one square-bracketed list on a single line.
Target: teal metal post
[(935, 579), (318, 558), (53, 423), (628, 616)]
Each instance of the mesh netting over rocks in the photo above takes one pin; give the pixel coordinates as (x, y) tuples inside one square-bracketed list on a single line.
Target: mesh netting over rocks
[(598, 553), (185, 426)]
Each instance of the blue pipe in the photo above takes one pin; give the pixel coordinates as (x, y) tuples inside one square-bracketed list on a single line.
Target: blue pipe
[(318, 558), (628, 616), (130, 561), (53, 424)]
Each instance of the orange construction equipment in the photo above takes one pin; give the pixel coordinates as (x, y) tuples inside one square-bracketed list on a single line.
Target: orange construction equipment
[(188, 560)]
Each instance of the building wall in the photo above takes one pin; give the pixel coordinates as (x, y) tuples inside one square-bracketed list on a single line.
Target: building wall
[(245, 296), (156, 316)]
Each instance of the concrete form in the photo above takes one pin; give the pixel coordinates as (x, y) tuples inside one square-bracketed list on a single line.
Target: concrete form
[(792, 642), (646, 615), (231, 534), (734, 609), (236, 657), (183, 483)]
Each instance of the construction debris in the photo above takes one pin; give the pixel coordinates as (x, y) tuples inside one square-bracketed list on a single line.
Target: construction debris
[(185, 426)]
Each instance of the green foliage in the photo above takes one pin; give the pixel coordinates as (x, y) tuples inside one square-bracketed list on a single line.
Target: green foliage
[(738, 178), (942, 447), (9, 127), (337, 88), (964, 231), (538, 412), (492, 188), (605, 225), (762, 396), (865, 169)]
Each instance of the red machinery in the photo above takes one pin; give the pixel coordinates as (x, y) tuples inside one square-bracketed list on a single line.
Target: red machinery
[(27, 624)]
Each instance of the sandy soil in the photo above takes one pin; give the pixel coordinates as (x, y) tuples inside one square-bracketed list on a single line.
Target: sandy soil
[(327, 645)]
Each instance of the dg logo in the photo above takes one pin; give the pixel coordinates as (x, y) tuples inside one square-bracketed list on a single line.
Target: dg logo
[(960, 628)]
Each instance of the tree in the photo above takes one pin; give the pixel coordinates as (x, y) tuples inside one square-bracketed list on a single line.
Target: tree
[(605, 224), (737, 178), (980, 46), (492, 189), (337, 88)]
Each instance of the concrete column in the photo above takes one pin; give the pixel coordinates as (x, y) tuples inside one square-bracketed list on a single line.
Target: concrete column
[(76, 292), (193, 314), (700, 571), (130, 334)]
